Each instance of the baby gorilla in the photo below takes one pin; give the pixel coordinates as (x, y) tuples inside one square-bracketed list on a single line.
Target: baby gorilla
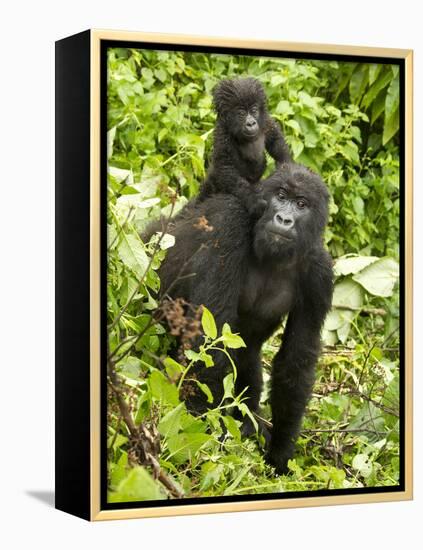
[(252, 275), (244, 130)]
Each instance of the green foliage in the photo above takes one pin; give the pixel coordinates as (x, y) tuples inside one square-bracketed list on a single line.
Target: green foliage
[(359, 278), (341, 120)]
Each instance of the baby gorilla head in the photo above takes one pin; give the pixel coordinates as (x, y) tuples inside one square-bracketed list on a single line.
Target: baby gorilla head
[(296, 213), (241, 105)]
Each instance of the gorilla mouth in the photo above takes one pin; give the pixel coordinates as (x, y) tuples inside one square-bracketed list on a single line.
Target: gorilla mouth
[(279, 236), (251, 132)]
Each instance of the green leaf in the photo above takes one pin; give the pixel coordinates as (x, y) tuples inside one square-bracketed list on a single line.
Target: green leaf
[(192, 424), (232, 427), (211, 473), (244, 471), (362, 464), (206, 390), (294, 125), (382, 81), (231, 340), (392, 393), (228, 386), (368, 416), (135, 200), (284, 108), (329, 337), (130, 367), (162, 390), (296, 145), (118, 473), (167, 241), (344, 330), (308, 101), (206, 358), (116, 441), (335, 319), (110, 139), (185, 446), (192, 355), (294, 467), (390, 127), (138, 485), (347, 293), (173, 368), (392, 98), (234, 341), (132, 254), (358, 82), (148, 186), (380, 277), (121, 175), (374, 71), (378, 107), (391, 124), (144, 403), (209, 325), (277, 80), (245, 411), (352, 263), (358, 205), (350, 151), (170, 424)]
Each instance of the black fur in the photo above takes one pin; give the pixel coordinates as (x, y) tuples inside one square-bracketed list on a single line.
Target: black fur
[(251, 275), (244, 130)]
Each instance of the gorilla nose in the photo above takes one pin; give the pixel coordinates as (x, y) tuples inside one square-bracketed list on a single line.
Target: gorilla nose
[(283, 221), (251, 123)]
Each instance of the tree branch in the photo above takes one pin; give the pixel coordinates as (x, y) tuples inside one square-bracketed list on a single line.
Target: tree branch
[(367, 310)]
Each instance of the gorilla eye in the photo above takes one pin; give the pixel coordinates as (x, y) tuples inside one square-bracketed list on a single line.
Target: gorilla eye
[(281, 195), (254, 110), (301, 203)]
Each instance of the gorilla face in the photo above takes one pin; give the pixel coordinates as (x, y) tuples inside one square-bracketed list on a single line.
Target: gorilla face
[(241, 104), (245, 122), (296, 213)]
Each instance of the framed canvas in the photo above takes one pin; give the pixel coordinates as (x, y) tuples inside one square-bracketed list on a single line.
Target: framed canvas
[(233, 274)]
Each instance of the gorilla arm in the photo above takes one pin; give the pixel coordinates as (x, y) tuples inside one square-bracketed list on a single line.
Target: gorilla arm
[(294, 365), (275, 142)]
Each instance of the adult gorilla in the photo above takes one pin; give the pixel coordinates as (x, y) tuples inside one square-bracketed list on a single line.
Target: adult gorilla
[(252, 274)]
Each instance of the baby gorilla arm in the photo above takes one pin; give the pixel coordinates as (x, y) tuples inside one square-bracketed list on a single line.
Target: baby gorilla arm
[(275, 143)]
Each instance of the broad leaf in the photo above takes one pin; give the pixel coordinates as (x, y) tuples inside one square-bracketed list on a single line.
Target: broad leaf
[(132, 254), (184, 446), (231, 340), (352, 264), (209, 324), (170, 424), (138, 485), (380, 277), (347, 293), (162, 390)]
